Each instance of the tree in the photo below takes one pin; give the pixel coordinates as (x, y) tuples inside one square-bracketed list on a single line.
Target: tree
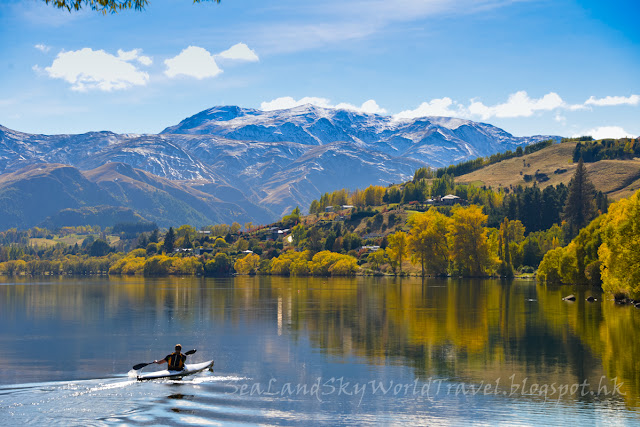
[(427, 241), (376, 259), (99, 248), (397, 249), (220, 265), (580, 207), (154, 237), (169, 241), (619, 253), (470, 250), (235, 227), (247, 265), (103, 6), (293, 218)]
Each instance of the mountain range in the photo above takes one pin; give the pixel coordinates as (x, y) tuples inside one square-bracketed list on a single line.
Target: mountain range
[(226, 164)]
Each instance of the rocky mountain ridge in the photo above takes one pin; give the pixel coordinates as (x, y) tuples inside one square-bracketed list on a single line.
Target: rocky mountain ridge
[(235, 164)]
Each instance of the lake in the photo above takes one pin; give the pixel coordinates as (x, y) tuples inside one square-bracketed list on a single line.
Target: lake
[(295, 351)]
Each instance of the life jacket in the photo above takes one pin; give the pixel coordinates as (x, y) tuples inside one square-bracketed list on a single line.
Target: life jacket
[(176, 361)]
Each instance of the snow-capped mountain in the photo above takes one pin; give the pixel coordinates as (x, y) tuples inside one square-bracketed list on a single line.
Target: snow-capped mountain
[(261, 163), (436, 141)]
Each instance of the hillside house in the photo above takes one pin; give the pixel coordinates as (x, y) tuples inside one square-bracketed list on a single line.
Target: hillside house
[(450, 199)]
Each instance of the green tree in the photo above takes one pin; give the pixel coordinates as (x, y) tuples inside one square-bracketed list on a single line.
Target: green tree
[(103, 6), (99, 248), (220, 265), (580, 206), (169, 241)]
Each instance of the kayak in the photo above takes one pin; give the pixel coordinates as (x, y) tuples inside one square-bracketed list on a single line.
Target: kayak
[(189, 369)]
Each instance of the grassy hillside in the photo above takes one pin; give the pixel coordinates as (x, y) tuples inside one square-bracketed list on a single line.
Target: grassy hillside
[(553, 165)]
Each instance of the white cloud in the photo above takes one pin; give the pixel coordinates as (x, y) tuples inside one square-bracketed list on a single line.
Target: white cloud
[(285, 102), (368, 107), (88, 69), (134, 54), (194, 62), (435, 107), (42, 47), (606, 132), (613, 100), (518, 105), (240, 52)]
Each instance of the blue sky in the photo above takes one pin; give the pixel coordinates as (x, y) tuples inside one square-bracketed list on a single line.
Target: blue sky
[(564, 67)]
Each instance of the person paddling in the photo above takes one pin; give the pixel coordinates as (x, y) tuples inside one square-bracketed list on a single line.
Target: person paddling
[(175, 359)]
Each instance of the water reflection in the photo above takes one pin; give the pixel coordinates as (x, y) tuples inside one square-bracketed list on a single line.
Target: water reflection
[(468, 331)]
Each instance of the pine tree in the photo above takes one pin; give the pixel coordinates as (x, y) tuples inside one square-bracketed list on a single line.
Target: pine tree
[(580, 207), (169, 241)]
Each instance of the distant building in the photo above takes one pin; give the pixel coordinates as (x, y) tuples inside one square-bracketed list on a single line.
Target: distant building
[(201, 251), (328, 209), (450, 199), (370, 248), (347, 206)]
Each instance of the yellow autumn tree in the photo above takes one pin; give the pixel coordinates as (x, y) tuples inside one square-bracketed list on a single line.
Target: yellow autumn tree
[(468, 242), (427, 241), (247, 265), (397, 249), (619, 253)]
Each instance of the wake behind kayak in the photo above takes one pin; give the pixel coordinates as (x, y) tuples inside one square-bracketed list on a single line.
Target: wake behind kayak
[(189, 369)]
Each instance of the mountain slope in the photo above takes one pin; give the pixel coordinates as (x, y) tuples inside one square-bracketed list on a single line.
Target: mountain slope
[(330, 167), (230, 163), (28, 196), (169, 202), (616, 178), (56, 195)]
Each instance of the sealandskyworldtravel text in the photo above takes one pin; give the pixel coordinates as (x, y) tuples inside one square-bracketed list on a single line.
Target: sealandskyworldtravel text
[(321, 388)]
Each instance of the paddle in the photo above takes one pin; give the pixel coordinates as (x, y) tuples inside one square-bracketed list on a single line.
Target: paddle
[(142, 365)]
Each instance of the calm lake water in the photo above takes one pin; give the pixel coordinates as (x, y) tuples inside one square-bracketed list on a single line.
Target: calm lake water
[(324, 351)]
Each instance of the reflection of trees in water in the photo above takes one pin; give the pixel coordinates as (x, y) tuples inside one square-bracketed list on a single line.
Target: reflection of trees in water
[(460, 329), (470, 330), (608, 330)]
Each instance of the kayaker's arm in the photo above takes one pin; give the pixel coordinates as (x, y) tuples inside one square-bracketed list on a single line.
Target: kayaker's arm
[(160, 362)]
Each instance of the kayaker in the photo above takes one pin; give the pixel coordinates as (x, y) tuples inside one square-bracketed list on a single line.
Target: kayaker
[(175, 359)]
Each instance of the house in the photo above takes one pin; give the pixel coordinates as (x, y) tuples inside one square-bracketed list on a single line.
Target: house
[(201, 251), (328, 209), (450, 199), (370, 248), (347, 206)]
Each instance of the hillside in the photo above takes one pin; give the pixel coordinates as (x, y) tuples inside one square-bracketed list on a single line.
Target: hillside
[(616, 178), (54, 195)]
